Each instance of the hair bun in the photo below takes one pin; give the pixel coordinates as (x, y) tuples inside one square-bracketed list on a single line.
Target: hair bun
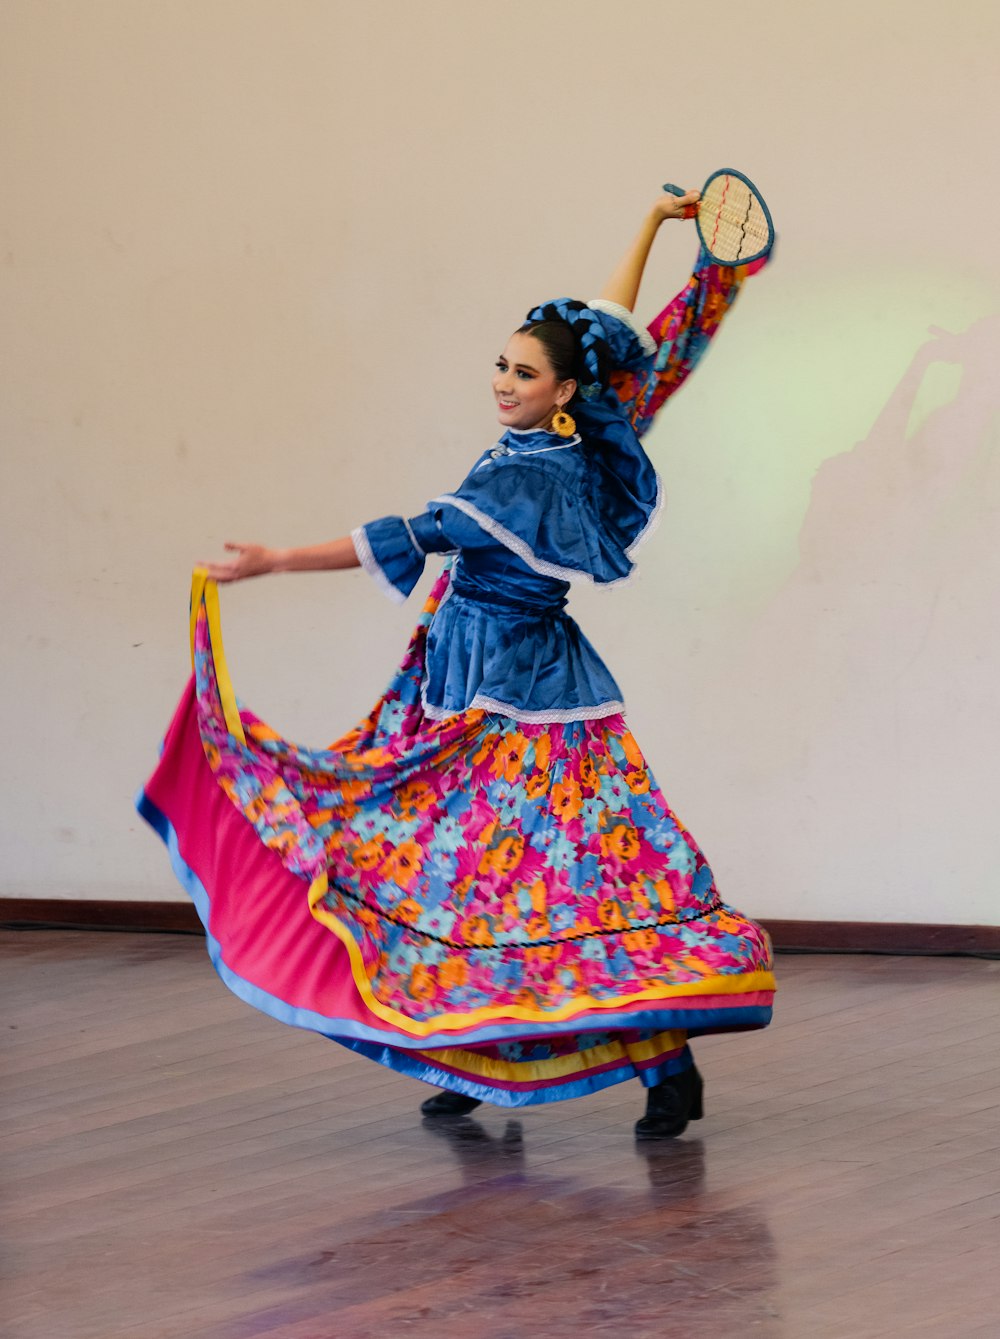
[(595, 355)]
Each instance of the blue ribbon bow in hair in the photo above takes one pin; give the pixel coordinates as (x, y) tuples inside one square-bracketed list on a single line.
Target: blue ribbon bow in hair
[(604, 342)]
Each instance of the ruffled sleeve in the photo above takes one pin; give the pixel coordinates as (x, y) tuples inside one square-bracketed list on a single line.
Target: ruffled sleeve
[(614, 318), (392, 550), (567, 518), (680, 336)]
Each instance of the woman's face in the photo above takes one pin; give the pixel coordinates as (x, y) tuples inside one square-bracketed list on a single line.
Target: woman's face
[(526, 388)]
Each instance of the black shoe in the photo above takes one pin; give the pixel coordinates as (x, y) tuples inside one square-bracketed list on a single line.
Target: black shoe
[(670, 1105), (449, 1104)]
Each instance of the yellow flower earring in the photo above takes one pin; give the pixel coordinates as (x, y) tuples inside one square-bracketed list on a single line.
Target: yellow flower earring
[(562, 423)]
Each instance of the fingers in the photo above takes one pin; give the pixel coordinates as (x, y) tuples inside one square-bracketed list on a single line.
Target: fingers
[(683, 205), (690, 203), (220, 571), (246, 563), (229, 571)]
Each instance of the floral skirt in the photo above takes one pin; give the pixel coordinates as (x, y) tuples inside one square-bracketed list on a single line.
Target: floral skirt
[(511, 911)]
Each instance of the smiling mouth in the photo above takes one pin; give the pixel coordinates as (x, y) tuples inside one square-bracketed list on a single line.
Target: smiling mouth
[(507, 404)]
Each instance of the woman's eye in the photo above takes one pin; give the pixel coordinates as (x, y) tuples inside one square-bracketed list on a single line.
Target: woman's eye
[(500, 365), (525, 376)]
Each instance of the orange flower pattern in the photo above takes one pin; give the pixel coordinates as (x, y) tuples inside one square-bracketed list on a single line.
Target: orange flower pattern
[(483, 861)]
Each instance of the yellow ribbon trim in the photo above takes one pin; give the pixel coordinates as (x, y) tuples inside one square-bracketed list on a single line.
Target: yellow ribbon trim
[(560, 1066), (205, 591), (654, 1046), (711, 985), (198, 579)]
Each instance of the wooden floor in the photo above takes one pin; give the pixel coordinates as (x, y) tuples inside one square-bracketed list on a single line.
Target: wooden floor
[(176, 1166)]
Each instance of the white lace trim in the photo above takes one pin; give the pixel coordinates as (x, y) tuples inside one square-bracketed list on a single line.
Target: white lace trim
[(495, 707), (594, 713), (623, 314), (541, 432), (499, 452), (413, 538), (369, 562), (517, 545), (560, 446)]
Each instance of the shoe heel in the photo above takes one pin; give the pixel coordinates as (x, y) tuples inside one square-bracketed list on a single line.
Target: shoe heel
[(697, 1110)]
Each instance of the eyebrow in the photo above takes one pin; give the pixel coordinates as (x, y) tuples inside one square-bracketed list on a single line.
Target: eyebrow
[(527, 367)]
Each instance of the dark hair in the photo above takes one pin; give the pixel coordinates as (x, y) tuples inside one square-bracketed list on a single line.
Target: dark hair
[(565, 330), (559, 343)]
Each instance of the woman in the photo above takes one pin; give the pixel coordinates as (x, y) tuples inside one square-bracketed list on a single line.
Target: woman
[(499, 899)]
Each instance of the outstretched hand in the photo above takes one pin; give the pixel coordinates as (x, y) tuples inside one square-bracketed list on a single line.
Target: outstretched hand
[(668, 206), (251, 560)]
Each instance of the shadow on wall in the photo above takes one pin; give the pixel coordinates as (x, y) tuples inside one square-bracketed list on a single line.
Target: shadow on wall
[(872, 674), (891, 522)]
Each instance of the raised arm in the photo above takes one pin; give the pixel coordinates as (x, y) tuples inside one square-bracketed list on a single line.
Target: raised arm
[(254, 560), (623, 286)]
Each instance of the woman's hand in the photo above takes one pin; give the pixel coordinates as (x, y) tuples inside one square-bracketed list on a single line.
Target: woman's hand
[(251, 560), (623, 286), (668, 206)]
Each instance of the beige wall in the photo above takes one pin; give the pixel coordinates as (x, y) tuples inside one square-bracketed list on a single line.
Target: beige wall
[(257, 258)]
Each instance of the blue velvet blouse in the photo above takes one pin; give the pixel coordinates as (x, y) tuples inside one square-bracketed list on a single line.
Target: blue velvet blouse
[(535, 513)]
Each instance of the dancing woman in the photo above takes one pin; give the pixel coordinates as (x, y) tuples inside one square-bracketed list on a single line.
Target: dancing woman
[(482, 885)]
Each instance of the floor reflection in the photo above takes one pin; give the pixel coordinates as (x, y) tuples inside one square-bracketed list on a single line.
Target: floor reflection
[(476, 1148), (573, 1235)]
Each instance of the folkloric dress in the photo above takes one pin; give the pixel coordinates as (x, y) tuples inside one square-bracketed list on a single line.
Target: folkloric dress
[(481, 885)]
